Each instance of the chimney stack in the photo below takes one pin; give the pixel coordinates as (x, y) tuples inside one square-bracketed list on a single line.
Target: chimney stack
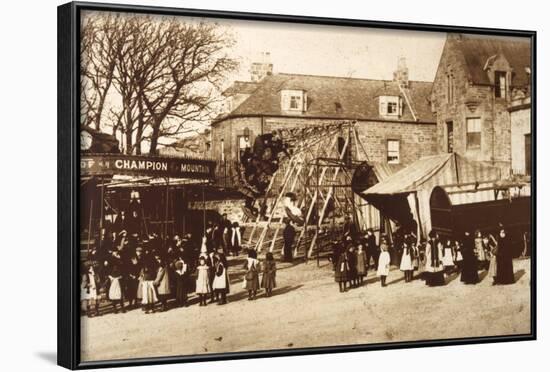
[(261, 69), (401, 75)]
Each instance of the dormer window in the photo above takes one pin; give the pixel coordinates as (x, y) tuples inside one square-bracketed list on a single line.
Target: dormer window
[(293, 100), (390, 106), (500, 84)]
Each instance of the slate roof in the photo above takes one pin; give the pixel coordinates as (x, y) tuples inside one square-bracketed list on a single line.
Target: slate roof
[(243, 87), (477, 49), (335, 97)]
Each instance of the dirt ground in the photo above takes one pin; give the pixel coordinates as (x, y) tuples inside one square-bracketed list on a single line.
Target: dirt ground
[(307, 310)]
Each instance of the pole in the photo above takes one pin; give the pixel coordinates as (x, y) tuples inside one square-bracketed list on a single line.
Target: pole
[(317, 211), (166, 211), (90, 224), (101, 212), (203, 212)]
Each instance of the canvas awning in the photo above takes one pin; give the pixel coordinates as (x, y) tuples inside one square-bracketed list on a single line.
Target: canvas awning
[(404, 196)]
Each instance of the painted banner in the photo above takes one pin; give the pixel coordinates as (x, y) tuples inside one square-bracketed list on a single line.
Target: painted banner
[(143, 165)]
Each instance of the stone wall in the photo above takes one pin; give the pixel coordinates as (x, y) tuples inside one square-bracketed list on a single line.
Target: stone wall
[(470, 101), (416, 140), (521, 125)]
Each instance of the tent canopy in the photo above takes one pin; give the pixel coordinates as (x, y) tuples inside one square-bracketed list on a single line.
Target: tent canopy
[(431, 171), (404, 196)]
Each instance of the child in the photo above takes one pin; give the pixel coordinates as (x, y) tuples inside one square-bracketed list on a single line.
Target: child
[(406, 262), (352, 273), (203, 281), (458, 255), (342, 270), (89, 289), (493, 251), (181, 283), (162, 283), (268, 277), (361, 263), (148, 291), (252, 281), (132, 281), (115, 289), (383, 263), (447, 259), (220, 284)]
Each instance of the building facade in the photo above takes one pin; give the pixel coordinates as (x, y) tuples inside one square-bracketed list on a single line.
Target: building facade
[(475, 92), (395, 121)]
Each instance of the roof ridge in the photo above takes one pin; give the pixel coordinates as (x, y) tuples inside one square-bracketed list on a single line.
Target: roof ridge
[(346, 77)]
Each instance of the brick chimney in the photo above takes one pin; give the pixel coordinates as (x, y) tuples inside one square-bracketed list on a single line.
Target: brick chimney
[(401, 75), (262, 68)]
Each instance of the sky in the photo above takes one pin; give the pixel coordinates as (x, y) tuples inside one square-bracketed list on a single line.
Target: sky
[(341, 51), (335, 50)]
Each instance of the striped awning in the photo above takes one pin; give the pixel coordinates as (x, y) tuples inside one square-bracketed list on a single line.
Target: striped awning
[(435, 170)]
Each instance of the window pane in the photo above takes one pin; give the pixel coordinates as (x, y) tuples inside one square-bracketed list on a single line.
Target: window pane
[(393, 152), (393, 145), (473, 125)]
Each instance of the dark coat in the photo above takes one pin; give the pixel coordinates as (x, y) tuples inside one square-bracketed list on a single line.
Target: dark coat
[(505, 267), (268, 277), (469, 273), (341, 273), (289, 233)]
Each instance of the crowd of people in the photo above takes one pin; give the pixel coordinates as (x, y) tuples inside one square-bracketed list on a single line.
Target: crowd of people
[(128, 272), (433, 259)]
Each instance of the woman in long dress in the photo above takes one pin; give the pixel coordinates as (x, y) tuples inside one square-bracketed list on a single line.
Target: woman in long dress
[(505, 266), (469, 273), (434, 264)]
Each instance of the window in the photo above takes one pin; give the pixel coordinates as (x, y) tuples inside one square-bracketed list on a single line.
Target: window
[(244, 144), (293, 100), (500, 84), (450, 144), (222, 149), (390, 105), (473, 133), (393, 152), (450, 88)]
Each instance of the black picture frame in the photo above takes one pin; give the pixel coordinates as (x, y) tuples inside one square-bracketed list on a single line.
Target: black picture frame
[(68, 321)]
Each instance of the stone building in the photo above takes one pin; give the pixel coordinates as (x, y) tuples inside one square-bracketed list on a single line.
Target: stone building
[(395, 121), (475, 98)]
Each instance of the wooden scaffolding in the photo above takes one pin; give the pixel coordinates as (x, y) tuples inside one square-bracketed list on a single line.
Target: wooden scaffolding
[(319, 173)]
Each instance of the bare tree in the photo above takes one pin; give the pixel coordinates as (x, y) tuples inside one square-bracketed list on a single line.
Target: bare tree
[(166, 73), (99, 45)]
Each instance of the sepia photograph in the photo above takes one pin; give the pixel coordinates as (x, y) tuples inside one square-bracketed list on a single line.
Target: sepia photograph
[(250, 185)]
